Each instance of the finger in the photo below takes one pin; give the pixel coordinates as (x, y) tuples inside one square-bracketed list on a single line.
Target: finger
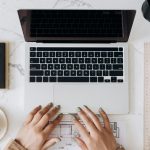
[(45, 119), (31, 114), (50, 127), (88, 123), (105, 119), (81, 143), (50, 143), (93, 117), (41, 113), (82, 130)]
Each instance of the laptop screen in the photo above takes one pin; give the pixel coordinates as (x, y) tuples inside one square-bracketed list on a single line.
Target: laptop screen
[(75, 25)]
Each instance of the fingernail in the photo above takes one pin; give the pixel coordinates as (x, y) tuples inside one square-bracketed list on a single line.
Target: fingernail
[(60, 115), (74, 116), (86, 106), (100, 109), (58, 106), (50, 104), (79, 109), (39, 106)]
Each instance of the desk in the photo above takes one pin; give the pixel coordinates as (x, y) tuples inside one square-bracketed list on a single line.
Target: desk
[(12, 100)]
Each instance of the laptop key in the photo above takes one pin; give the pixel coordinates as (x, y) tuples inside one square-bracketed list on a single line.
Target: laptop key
[(93, 79), (39, 54), (108, 66), (84, 54), (49, 60), (100, 60), (60, 73), (44, 66), (34, 66), (82, 66), (70, 66), (52, 79), (92, 73), (103, 54), (73, 79), (36, 73), (62, 60), (118, 67), (45, 79), (86, 73), (107, 80), (38, 79), (32, 79), (110, 54), (116, 73), (87, 60), (50, 66), (79, 73), (63, 66), (113, 60), (107, 60), (118, 54), (58, 54), (68, 60), (32, 48), (113, 79), (76, 66), (73, 73), (65, 54), (71, 54), (47, 73), (94, 60), (89, 66), (90, 54), (78, 54), (102, 66), (57, 66), (105, 73), (32, 54), (55, 60), (34, 60), (74, 60), (119, 60), (53, 73), (100, 79), (97, 54), (99, 73), (45, 54), (120, 80), (81, 60), (52, 54), (66, 73)]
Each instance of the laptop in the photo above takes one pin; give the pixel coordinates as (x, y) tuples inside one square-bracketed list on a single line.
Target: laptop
[(76, 58)]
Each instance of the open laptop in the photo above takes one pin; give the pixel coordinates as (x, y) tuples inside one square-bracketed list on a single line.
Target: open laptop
[(77, 57)]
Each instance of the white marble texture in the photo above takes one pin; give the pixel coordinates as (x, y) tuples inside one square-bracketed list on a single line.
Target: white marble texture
[(10, 31)]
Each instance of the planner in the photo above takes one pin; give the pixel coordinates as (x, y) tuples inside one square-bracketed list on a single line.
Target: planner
[(2, 66)]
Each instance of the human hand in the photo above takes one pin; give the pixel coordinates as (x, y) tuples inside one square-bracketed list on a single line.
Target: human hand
[(34, 135), (94, 136)]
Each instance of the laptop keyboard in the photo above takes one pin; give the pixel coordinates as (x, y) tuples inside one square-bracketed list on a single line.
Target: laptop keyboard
[(76, 23), (48, 64)]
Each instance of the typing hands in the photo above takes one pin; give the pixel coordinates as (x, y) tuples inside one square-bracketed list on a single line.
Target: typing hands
[(35, 132), (94, 136), (34, 135)]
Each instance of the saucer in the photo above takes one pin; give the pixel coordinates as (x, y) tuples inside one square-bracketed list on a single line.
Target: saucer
[(3, 124)]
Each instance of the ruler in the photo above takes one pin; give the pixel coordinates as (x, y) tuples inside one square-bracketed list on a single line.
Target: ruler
[(147, 96)]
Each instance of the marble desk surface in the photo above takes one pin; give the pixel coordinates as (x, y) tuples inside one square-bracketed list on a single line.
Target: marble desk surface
[(10, 31)]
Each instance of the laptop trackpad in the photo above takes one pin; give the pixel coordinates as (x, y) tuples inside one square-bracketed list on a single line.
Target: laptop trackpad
[(72, 96)]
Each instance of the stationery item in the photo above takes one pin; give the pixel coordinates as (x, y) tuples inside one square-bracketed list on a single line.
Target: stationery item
[(3, 124), (147, 96), (3, 65)]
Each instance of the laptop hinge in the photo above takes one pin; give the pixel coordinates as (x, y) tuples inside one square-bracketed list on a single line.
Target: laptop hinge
[(75, 41)]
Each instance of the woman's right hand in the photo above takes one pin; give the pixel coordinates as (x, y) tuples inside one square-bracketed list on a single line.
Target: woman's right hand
[(94, 136)]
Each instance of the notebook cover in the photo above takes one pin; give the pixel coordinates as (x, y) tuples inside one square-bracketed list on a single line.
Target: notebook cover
[(2, 65)]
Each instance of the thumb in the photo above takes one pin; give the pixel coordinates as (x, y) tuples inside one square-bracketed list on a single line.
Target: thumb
[(49, 143), (81, 143)]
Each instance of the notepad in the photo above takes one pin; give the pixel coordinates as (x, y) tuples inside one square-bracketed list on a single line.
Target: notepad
[(147, 96), (2, 65)]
